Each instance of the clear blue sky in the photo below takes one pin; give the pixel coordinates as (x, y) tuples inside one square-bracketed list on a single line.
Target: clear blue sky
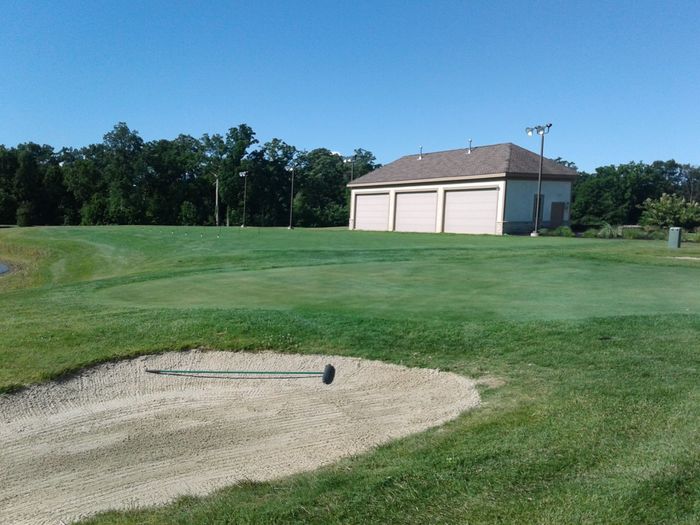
[(619, 80)]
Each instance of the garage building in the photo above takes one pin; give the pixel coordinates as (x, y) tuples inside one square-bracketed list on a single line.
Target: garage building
[(482, 190)]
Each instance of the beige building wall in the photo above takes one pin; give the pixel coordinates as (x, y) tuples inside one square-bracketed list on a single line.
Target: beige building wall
[(440, 188)]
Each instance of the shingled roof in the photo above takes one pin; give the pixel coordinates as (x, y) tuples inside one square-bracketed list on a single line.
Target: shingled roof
[(456, 164)]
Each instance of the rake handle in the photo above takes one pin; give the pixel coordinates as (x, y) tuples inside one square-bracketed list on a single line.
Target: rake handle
[(236, 372)]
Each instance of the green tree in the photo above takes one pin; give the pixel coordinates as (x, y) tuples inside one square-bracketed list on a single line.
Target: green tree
[(684, 177), (84, 179), (8, 202), (56, 203), (224, 159), (614, 194), (170, 166), (125, 172), (362, 162), (39, 186), (566, 163), (322, 198), (269, 183), (670, 210), (26, 188)]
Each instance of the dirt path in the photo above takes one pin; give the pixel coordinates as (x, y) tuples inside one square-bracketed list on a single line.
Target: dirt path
[(117, 437)]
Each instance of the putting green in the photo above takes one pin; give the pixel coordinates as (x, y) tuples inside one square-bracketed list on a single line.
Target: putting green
[(530, 287)]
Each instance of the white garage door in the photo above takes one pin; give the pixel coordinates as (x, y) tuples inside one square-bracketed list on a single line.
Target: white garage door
[(372, 212), (471, 211), (416, 212)]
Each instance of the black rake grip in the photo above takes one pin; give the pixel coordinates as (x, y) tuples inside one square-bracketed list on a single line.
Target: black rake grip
[(328, 374)]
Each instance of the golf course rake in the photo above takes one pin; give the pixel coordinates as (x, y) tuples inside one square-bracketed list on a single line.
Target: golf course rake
[(327, 375)]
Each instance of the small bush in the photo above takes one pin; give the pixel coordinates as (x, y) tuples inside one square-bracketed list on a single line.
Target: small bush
[(563, 231), (615, 232), (635, 233), (647, 233), (607, 231)]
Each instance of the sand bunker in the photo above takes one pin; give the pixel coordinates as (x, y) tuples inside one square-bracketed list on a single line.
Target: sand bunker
[(115, 437)]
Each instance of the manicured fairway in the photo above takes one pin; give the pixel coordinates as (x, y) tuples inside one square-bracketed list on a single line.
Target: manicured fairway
[(588, 350)]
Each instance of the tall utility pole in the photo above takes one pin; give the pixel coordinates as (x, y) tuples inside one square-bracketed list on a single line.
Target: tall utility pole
[(216, 201), (541, 131), (244, 174), (291, 199)]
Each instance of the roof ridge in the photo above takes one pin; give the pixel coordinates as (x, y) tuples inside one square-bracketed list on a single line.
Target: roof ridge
[(458, 149), (510, 156)]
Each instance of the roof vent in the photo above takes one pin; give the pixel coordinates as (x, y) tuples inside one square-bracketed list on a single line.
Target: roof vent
[(420, 155), (469, 151)]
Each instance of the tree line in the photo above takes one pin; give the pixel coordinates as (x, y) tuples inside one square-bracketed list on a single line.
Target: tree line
[(125, 180), (627, 193)]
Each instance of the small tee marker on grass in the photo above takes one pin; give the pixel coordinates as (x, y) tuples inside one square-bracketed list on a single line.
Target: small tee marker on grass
[(327, 375)]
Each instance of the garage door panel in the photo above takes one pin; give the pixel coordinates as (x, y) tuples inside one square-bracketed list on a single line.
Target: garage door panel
[(372, 212), (416, 212), (471, 211)]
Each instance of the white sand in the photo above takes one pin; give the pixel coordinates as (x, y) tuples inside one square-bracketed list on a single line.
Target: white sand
[(115, 437)]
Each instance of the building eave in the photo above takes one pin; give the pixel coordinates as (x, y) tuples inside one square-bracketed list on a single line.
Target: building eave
[(507, 176), (469, 178), (545, 176)]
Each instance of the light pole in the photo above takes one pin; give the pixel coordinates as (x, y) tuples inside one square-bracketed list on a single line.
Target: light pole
[(291, 198), (216, 200), (244, 174), (541, 131), (348, 194), (351, 160)]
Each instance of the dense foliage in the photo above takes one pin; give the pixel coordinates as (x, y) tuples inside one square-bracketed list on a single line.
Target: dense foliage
[(670, 210), (125, 180), (617, 194)]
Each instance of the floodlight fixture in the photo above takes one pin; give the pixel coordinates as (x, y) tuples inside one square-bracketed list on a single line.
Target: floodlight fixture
[(244, 174), (351, 160)]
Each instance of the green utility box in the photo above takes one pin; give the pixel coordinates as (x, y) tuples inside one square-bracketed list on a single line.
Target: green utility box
[(674, 238)]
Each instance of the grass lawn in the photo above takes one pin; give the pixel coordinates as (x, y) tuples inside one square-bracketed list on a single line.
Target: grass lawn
[(592, 347)]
